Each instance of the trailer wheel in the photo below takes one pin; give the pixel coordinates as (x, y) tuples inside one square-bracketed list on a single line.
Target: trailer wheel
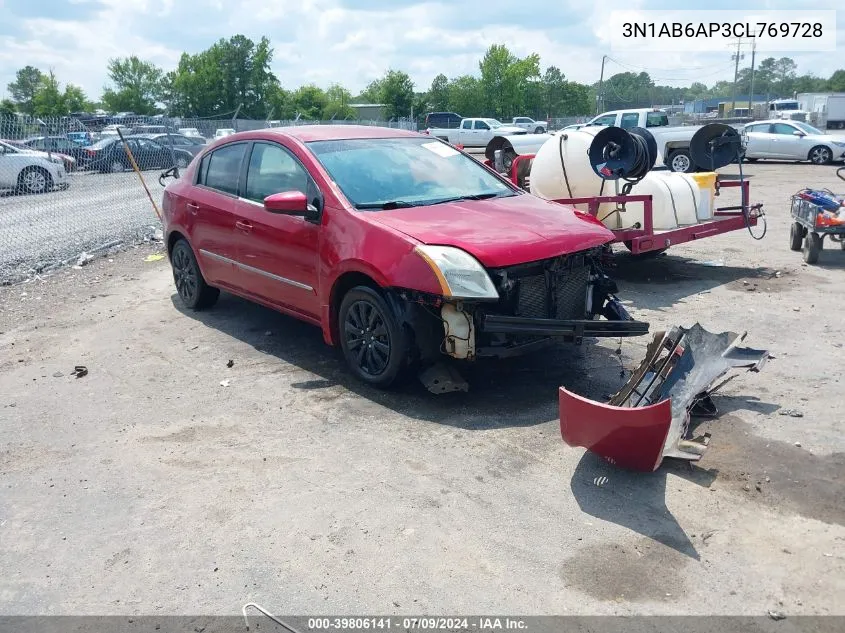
[(796, 236), (812, 247)]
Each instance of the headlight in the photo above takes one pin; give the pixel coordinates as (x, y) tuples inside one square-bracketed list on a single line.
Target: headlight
[(461, 276)]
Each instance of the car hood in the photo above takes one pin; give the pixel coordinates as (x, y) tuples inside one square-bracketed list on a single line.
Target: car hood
[(826, 138), (501, 231)]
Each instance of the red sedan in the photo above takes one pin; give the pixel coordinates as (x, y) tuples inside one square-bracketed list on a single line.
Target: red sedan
[(400, 247)]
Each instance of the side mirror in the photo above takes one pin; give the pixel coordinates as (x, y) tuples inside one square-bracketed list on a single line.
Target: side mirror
[(289, 202), (292, 203), (798, 133)]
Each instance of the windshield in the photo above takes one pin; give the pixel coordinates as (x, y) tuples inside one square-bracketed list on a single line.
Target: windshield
[(806, 127), (493, 123), (786, 105), (404, 172)]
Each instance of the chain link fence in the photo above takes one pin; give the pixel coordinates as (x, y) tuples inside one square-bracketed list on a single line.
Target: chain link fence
[(68, 188)]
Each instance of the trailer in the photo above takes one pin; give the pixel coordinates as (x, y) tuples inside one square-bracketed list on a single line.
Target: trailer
[(644, 240), (826, 109)]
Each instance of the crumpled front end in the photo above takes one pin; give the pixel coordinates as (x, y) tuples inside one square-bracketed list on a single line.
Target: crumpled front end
[(649, 418)]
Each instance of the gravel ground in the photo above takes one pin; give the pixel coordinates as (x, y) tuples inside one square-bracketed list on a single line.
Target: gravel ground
[(148, 487), (41, 231)]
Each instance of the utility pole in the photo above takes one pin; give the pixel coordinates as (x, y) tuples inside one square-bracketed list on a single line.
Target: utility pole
[(737, 56), (599, 98), (751, 96)]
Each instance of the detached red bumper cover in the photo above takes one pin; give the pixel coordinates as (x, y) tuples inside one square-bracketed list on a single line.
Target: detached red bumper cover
[(648, 419)]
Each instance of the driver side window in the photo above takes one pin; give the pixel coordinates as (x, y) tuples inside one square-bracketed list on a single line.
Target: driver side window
[(272, 169), (609, 119), (782, 128)]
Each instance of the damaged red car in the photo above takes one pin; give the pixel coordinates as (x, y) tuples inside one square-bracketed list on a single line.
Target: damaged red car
[(401, 248)]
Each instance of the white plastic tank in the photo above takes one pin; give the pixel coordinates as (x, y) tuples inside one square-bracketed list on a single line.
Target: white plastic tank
[(676, 197)]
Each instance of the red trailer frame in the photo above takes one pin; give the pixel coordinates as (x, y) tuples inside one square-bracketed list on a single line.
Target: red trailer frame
[(644, 239)]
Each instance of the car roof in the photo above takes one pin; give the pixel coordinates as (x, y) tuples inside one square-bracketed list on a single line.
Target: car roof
[(307, 133)]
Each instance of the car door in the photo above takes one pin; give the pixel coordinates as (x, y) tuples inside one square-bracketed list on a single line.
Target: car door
[(277, 253), (481, 133), (757, 140), (785, 143), (212, 205), (465, 132)]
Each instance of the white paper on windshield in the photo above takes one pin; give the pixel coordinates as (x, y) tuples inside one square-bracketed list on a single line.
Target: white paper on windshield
[(441, 149)]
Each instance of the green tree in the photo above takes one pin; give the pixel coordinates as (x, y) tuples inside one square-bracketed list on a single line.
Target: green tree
[(438, 94), (466, 96), (397, 94), (337, 106), (8, 108), (230, 73), (495, 80), (23, 89), (836, 83), (75, 99), (372, 93), (309, 101), (48, 100), (137, 85)]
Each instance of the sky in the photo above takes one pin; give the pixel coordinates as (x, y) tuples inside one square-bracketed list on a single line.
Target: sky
[(353, 42)]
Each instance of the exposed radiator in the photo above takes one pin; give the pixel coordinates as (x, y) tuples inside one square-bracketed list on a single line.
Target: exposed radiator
[(554, 294)]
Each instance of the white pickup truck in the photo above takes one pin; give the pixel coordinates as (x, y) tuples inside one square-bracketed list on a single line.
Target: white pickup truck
[(672, 142), (475, 132), (530, 125)]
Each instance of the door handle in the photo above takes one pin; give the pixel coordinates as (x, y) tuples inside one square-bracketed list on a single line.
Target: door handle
[(246, 227), (193, 207)]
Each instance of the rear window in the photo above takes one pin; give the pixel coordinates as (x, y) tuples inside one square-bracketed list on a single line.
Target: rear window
[(656, 119), (221, 169)]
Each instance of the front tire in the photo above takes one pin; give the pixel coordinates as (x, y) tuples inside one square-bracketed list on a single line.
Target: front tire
[(181, 162), (681, 161), (35, 180), (796, 236), (539, 130), (372, 341), (193, 290), (116, 167), (820, 155)]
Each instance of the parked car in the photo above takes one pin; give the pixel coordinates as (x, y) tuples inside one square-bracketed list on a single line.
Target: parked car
[(56, 144), (475, 132), (223, 132), (791, 140), (442, 120), (152, 129), (192, 145), (25, 171), (190, 132), (111, 130), (109, 155), (526, 123), (81, 138), (68, 161), (401, 248)]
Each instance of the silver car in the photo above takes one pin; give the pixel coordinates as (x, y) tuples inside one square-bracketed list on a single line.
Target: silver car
[(791, 140)]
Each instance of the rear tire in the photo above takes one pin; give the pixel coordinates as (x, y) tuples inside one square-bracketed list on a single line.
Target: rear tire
[(193, 290), (539, 130), (35, 180), (796, 236), (116, 167), (812, 247), (371, 338), (181, 162)]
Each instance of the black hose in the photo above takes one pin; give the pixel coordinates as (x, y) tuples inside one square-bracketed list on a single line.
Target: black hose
[(745, 209), (563, 137)]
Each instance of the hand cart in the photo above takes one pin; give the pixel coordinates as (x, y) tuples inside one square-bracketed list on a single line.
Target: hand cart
[(815, 216)]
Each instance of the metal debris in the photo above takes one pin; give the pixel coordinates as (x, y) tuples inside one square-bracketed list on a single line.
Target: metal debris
[(649, 418), (80, 371)]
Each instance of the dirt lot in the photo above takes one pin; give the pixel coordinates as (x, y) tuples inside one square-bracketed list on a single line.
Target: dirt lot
[(148, 487)]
